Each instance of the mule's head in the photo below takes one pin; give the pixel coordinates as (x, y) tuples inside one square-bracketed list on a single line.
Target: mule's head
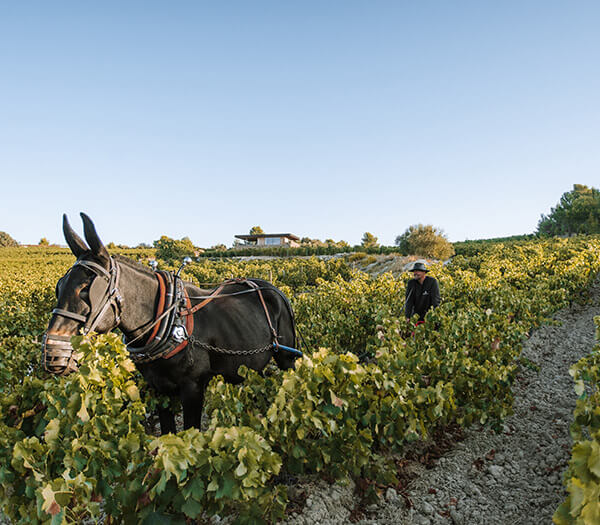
[(86, 298)]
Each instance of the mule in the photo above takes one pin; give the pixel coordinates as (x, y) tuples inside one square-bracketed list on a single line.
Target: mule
[(243, 322)]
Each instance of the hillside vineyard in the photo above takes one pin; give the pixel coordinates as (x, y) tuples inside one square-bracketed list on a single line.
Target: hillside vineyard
[(82, 446)]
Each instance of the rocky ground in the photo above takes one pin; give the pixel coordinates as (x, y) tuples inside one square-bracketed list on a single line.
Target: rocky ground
[(513, 477)]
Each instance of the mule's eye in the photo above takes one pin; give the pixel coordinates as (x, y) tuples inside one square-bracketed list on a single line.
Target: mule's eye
[(84, 293)]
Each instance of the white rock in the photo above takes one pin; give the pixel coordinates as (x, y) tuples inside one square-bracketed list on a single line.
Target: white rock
[(496, 470), (391, 495)]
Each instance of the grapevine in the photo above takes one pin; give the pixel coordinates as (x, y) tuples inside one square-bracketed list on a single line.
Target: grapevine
[(77, 447)]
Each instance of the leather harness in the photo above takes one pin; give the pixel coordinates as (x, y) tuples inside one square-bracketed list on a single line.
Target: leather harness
[(172, 328), (157, 346), (171, 332)]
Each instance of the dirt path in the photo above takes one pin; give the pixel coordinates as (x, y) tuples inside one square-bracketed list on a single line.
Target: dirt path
[(514, 477)]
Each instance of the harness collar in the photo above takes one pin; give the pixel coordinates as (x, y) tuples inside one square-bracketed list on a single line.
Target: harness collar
[(170, 332)]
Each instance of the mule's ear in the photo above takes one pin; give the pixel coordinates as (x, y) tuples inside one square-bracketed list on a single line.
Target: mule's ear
[(89, 230), (73, 240)]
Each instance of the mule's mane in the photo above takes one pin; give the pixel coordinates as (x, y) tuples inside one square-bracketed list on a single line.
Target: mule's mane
[(134, 264)]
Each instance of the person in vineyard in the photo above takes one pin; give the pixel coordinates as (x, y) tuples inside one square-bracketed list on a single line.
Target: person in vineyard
[(422, 293)]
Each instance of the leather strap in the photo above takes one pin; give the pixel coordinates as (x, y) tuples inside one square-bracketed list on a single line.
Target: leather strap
[(96, 268), (161, 304), (262, 300), (189, 326), (215, 294), (189, 311), (70, 315)]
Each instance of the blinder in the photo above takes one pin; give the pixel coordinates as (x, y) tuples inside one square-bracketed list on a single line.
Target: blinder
[(57, 352), (98, 290)]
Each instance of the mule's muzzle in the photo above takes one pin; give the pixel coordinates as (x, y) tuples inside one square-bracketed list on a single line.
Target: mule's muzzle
[(58, 356)]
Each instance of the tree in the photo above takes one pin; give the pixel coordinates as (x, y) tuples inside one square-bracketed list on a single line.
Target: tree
[(369, 240), (7, 240), (578, 211), (256, 230), (171, 249), (43, 242), (426, 241), (309, 242), (219, 247)]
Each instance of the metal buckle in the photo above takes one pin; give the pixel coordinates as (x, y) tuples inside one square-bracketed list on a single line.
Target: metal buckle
[(179, 333)]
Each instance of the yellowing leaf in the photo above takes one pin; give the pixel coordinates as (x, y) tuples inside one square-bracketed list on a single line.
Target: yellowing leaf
[(591, 511), (49, 505), (217, 439), (83, 413), (577, 490), (241, 470), (54, 509), (52, 431), (133, 392), (335, 400), (128, 365), (594, 459), (212, 486)]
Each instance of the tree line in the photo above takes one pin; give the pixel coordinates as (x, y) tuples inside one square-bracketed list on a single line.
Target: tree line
[(577, 212)]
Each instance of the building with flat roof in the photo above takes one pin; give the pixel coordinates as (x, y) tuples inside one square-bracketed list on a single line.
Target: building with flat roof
[(262, 240)]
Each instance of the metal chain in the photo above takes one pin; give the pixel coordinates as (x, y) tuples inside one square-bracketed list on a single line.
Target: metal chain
[(227, 351)]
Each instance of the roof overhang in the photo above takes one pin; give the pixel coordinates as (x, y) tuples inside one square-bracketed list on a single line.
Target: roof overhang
[(267, 235)]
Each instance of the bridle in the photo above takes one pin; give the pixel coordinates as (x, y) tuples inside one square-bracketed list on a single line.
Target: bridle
[(57, 352)]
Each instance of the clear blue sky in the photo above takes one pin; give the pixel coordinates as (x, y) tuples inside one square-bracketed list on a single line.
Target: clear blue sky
[(321, 118)]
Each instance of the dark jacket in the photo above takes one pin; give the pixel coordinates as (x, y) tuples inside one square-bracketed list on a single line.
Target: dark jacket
[(421, 297)]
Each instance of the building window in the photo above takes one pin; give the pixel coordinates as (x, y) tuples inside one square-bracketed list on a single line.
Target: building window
[(272, 241)]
